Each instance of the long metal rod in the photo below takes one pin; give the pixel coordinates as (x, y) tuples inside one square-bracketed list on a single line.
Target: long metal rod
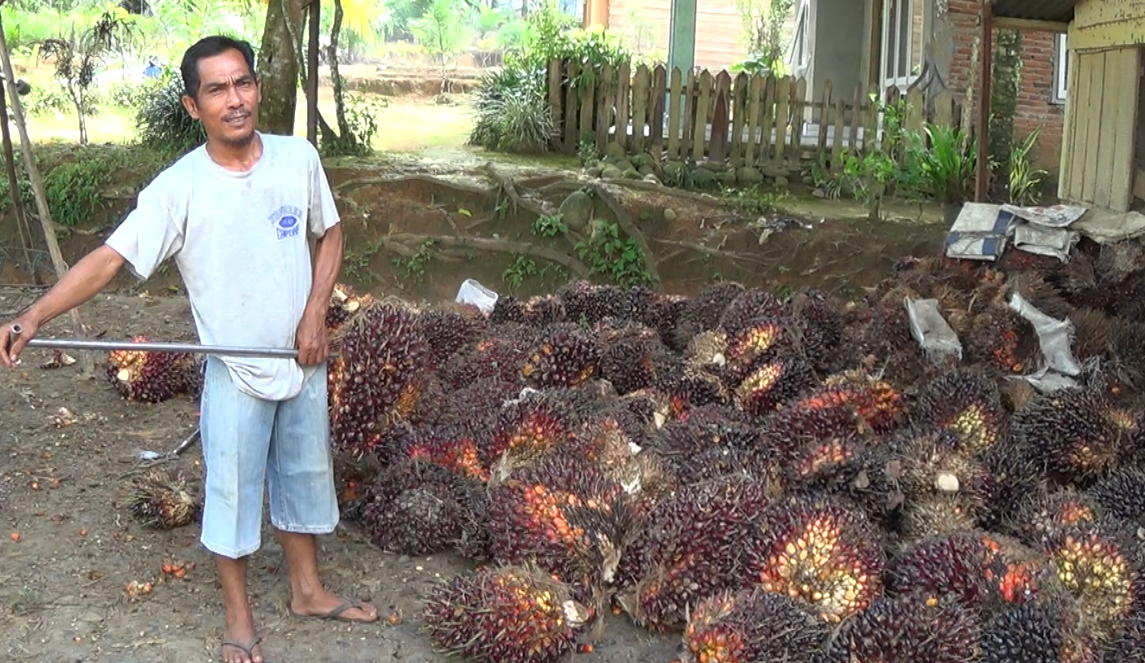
[(154, 346)]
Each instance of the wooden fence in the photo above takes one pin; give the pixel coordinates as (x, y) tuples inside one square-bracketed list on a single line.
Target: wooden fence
[(750, 120)]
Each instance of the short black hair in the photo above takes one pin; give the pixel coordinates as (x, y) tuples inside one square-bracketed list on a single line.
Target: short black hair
[(209, 47)]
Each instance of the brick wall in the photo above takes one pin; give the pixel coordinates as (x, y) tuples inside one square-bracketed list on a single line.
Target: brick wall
[(1035, 99)]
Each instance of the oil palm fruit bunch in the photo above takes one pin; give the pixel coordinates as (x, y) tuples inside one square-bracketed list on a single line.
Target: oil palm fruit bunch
[(451, 446), (689, 547), (851, 468), (944, 489), (159, 498), (1097, 565), (819, 552), (749, 306), (564, 357), (906, 630), (385, 360), (703, 312), (448, 331), (504, 614), (751, 625), (146, 376), (590, 302), (1036, 631), (1075, 433), (772, 384), (526, 428), (543, 310), (413, 508), (565, 515), (490, 358), (1121, 495), (1046, 514), (979, 571), (967, 403)]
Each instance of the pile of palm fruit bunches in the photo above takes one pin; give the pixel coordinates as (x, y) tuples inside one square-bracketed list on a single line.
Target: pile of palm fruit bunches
[(769, 479)]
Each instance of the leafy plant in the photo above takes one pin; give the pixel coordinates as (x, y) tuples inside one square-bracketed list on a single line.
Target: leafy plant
[(942, 164), (1025, 180), (512, 112), (163, 123), (78, 58), (613, 255), (868, 178)]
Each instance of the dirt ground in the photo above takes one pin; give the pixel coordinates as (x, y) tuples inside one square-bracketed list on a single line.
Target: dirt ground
[(68, 447)]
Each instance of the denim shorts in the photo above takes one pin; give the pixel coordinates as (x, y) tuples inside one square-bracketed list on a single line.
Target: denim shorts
[(247, 440)]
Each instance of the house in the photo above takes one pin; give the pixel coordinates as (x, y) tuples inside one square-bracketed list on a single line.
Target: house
[(647, 25), (931, 44)]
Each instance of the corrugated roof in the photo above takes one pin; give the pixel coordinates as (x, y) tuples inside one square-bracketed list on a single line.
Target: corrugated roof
[(1037, 10)]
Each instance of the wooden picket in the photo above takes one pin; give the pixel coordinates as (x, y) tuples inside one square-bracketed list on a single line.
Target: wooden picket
[(766, 122)]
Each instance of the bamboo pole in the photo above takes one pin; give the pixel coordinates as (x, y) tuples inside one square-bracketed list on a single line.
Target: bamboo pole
[(61, 267), (14, 185)]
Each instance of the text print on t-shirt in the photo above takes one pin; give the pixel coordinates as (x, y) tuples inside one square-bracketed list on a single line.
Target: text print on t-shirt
[(286, 221)]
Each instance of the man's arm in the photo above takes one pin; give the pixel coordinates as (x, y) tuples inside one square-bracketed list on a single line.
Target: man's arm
[(324, 222), (150, 234), (327, 267), (79, 284)]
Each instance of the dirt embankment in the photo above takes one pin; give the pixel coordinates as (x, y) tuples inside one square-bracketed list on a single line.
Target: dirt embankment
[(422, 231)]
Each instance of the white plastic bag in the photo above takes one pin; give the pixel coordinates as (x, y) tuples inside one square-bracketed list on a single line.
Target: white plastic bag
[(472, 292), (932, 332)]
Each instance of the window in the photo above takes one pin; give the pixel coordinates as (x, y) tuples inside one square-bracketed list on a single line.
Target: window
[(1061, 68), (903, 37)]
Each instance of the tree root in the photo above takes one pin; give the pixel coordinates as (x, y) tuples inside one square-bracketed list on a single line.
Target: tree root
[(505, 186), (570, 263)]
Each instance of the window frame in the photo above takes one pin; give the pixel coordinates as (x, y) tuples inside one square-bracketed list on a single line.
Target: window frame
[(1061, 69)]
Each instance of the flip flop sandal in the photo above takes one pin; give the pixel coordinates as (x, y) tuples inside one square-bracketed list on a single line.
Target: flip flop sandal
[(336, 613), (247, 649)]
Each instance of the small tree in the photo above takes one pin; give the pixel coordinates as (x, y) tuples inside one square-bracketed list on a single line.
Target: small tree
[(763, 23), (79, 57), (442, 31)]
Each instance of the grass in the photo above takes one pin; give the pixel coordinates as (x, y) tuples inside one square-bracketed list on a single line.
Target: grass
[(407, 124)]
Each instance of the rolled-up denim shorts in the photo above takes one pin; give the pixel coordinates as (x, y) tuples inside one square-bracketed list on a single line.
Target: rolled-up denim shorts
[(247, 441)]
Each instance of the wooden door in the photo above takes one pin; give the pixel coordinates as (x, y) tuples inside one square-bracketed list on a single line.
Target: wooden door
[(1098, 141)]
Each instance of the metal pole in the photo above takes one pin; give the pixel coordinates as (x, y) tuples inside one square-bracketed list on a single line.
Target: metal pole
[(150, 346)]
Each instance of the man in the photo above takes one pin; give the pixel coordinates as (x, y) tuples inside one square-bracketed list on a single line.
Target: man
[(236, 215)]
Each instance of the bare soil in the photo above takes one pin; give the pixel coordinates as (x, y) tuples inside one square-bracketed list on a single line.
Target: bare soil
[(69, 444)]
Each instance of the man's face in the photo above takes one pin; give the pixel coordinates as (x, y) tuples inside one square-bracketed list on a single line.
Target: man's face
[(227, 99)]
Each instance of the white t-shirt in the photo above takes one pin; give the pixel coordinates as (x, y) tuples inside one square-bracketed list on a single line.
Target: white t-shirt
[(242, 243)]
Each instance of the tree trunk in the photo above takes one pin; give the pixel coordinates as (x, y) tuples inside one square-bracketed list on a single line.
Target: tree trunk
[(336, 75), (278, 66)]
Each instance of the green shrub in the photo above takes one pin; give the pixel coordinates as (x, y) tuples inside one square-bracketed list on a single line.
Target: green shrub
[(512, 112), (163, 123), (133, 94), (46, 98)]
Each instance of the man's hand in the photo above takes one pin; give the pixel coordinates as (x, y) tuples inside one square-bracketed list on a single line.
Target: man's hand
[(11, 345), (312, 339)]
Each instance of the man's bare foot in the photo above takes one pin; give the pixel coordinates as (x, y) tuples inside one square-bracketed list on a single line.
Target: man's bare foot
[(240, 644), (327, 605)]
